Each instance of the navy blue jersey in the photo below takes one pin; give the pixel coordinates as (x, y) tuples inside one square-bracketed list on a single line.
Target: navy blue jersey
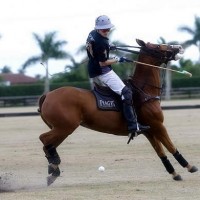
[(98, 51)]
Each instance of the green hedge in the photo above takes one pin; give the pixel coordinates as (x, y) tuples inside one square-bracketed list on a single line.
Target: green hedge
[(36, 89), (186, 82), (21, 90), (85, 85)]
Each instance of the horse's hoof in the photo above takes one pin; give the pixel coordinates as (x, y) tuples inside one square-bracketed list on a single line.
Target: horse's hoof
[(50, 169), (51, 179), (193, 169), (53, 170), (177, 178)]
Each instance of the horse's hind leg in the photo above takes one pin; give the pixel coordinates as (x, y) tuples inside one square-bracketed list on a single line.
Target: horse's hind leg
[(51, 140)]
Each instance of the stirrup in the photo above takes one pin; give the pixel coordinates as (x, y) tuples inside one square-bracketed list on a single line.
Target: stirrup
[(133, 134)]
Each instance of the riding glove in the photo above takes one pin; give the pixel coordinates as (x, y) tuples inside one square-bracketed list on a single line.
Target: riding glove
[(121, 59)]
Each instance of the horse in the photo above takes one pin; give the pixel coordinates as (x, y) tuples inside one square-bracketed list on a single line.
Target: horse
[(66, 108)]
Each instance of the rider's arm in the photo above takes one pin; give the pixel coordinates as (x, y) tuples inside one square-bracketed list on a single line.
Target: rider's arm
[(108, 62)]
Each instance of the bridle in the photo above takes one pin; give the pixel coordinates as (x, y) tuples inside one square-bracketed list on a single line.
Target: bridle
[(163, 54), (163, 58)]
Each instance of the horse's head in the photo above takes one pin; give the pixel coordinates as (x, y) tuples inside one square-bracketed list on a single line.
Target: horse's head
[(147, 71), (163, 52)]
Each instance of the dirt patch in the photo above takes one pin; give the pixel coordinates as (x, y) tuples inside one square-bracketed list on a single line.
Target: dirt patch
[(131, 171)]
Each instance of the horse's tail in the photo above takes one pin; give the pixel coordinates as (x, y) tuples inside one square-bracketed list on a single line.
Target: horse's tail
[(41, 101)]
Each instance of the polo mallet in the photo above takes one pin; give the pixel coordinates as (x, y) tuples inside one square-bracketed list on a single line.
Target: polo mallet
[(136, 52), (173, 70)]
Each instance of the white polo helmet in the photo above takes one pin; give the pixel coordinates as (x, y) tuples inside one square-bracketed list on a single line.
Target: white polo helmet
[(103, 22)]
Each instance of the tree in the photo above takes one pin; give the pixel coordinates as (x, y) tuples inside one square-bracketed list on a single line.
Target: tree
[(6, 69), (74, 72), (194, 32), (50, 49)]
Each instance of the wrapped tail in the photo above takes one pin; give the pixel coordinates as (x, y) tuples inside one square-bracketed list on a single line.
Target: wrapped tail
[(41, 101)]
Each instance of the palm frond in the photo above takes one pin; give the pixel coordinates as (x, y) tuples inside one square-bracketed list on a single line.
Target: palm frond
[(31, 61)]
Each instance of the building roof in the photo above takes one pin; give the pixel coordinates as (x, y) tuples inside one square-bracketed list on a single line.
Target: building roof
[(15, 79)]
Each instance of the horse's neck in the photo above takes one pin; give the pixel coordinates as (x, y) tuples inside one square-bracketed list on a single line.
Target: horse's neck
[(147, 77)]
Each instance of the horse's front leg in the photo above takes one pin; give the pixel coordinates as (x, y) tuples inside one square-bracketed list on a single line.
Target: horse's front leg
[(156, 144), (166, 141), (184, 163)]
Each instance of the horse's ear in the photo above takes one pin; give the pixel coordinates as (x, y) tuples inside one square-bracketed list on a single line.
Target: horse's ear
[(140, 42)]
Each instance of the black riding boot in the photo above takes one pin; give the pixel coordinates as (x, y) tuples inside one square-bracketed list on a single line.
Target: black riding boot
[(131, 118)]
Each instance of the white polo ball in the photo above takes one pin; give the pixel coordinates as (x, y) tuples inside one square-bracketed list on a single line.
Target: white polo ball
[(101, 168)]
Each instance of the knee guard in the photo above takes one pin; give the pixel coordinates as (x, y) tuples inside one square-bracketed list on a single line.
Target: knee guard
[(127, 95)]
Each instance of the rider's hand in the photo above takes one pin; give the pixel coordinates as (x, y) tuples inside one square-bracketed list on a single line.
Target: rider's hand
[(113, 47), (121, 59)]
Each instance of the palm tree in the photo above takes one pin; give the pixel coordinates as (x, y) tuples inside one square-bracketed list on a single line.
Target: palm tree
[(195, 33), (50, 48)]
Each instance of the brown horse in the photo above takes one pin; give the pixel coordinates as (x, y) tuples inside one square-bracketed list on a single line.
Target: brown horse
[(66, 108)]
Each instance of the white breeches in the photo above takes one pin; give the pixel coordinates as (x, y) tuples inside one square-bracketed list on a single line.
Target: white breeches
[(111, 80)]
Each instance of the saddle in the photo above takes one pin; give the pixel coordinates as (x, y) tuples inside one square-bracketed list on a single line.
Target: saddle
[(106, 99), (110, 101)]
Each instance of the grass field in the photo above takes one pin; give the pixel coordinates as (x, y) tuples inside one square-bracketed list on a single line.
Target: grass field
[(132, 171)]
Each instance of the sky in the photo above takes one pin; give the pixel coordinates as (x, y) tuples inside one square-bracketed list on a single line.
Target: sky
[(74, 19)]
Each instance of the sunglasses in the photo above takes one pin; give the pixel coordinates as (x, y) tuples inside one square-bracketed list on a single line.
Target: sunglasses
[(105, 30)]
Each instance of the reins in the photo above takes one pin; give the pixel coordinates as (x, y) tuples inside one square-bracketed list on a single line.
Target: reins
[(128, 50), (129, 46)]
